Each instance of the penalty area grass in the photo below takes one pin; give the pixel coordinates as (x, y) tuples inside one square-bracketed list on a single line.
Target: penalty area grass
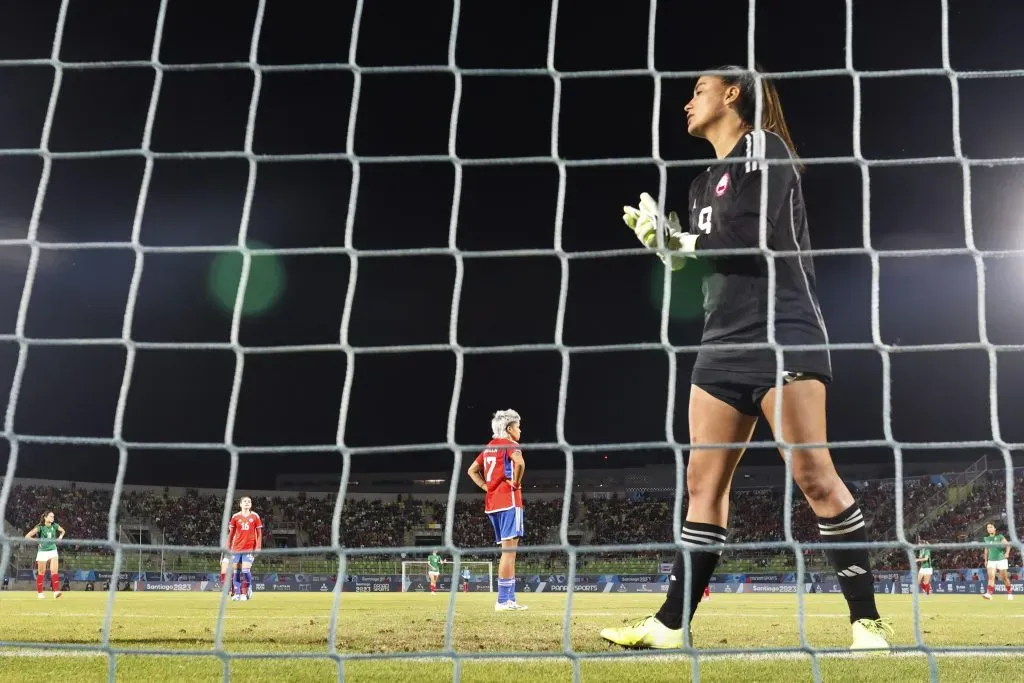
[(178, 633)]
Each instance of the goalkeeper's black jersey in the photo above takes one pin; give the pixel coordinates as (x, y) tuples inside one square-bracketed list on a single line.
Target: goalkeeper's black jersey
[(725, 205)]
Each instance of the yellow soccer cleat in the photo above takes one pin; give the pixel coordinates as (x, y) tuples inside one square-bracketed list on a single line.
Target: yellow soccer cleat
[(646, 634), (871, 634)]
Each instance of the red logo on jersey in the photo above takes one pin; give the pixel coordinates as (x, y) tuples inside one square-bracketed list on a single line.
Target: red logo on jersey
[(723, 184)]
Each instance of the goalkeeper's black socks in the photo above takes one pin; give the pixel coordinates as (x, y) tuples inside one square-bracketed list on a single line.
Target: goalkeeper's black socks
[(852, 566), (702, 566)]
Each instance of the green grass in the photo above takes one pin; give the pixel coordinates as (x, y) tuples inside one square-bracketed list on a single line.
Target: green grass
[(397, 624)]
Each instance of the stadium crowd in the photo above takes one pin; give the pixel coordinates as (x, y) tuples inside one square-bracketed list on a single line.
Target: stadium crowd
[(934, 511)]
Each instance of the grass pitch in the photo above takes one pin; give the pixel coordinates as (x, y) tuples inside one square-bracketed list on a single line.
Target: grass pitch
[(146, 628)]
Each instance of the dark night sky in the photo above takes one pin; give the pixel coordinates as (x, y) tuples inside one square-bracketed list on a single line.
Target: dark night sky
[(293, 398)]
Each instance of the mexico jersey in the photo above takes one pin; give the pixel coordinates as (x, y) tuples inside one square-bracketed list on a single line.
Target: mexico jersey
[(996, 548), (47, 534), (243, 530), (496, 463), (725, 205)]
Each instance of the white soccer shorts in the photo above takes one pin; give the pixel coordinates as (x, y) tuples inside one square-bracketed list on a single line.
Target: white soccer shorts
[(46, 555), (998, 564)]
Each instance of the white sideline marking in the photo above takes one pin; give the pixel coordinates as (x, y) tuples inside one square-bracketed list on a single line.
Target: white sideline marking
[(767, 656), (280, 617), (165, 617), (626, 658), (633, 658), (545, 612), (30, 652)]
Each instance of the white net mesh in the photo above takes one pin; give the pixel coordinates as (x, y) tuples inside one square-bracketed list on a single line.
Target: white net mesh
[(356, 256)]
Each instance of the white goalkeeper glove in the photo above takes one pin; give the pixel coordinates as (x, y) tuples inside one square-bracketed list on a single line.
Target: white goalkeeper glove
[(645, 220)]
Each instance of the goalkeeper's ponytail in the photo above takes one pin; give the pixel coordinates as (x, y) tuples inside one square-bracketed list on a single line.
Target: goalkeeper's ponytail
[(772, 118)]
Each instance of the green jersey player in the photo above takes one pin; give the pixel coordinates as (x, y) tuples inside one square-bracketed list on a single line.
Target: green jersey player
[(924, 570), (48, 531), (996, 561), (434, 563)]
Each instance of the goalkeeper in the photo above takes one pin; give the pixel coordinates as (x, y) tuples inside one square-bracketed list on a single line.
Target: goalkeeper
[(731, 387)]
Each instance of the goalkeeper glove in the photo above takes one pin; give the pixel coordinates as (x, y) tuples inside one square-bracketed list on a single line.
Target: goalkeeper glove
[(645, 220)]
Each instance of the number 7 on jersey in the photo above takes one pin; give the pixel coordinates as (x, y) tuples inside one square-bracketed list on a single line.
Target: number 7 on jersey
[(490, 462)]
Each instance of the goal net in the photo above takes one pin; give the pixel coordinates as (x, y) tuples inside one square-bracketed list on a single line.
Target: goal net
[(448, 217), (416, 577)]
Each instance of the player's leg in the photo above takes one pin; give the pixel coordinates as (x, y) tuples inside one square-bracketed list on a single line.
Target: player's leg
[(40, 576), (495, 519), (508, 529), (713, 419), (55, 575), (517, 532), (1006, 581), (236, 574), (839, 517), (225, 563), (507, 573), (722, 417), (246, 572), (990, 586)]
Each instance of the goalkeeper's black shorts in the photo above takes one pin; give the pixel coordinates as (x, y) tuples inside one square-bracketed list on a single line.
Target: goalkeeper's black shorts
[(745, 391)]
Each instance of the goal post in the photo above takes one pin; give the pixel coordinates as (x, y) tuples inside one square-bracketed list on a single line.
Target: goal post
[(414, 574)]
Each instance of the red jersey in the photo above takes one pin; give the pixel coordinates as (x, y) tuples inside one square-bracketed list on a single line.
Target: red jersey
[(242, 530), (496, 463)]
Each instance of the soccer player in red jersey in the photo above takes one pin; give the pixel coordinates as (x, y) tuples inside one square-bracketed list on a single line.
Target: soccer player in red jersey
[(498, 471), (245, 538)]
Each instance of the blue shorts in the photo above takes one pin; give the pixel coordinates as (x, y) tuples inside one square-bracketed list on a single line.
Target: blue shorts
[(508, 524), (240, 558)]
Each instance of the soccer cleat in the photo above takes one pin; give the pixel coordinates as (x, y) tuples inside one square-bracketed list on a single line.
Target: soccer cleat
[(871, 634), (509, 606), (987, 596), (42, 596), (647, 633), (56, 595), (1009, 596)]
